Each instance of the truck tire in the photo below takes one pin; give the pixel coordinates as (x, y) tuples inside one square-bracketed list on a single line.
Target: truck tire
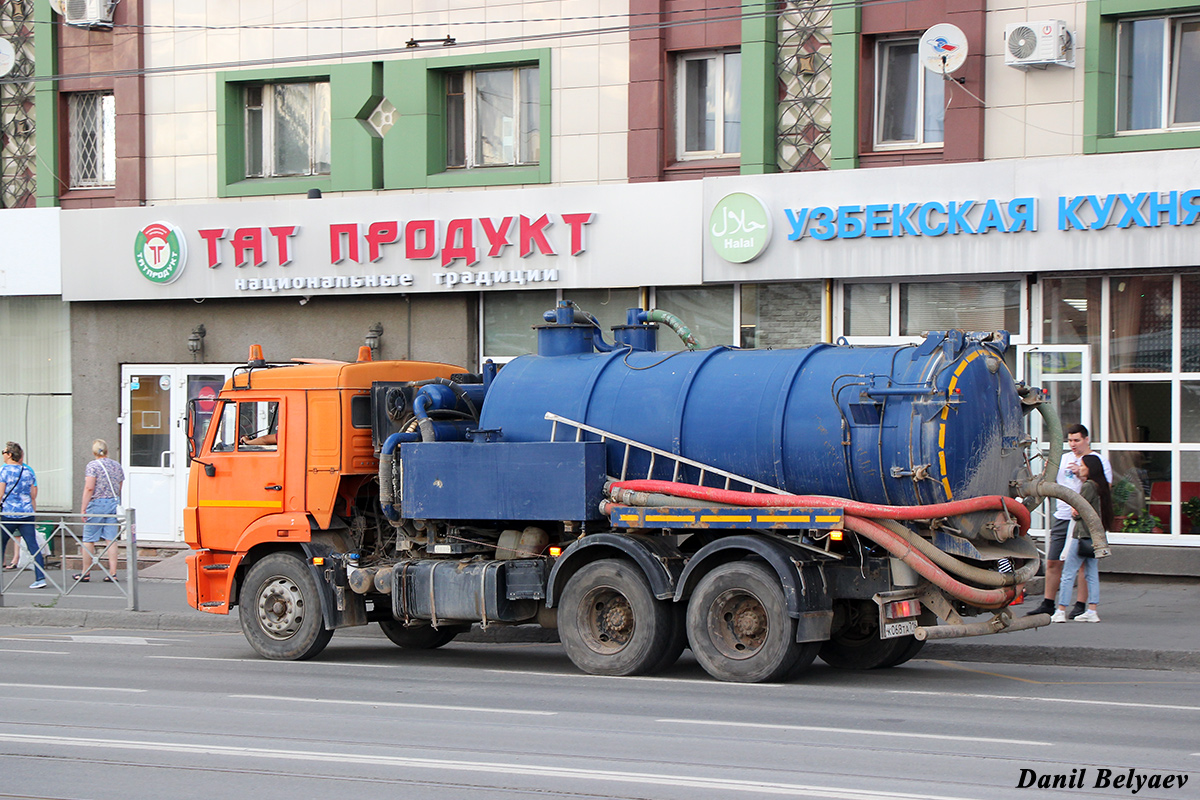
[(739, 628), (855, 644), (281, 609), (420, 637), (610, 622)]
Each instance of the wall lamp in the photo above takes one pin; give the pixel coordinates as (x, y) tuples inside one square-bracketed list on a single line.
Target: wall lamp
[(374, 334), (195, 340)]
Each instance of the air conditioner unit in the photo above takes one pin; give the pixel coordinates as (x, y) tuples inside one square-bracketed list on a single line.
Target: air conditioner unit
[(1038, 43), (88, 13)]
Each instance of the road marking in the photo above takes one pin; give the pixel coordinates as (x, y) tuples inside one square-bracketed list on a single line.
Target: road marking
[(1114, 703), (698, 679), (857, 731), (43, 652), (140, 641), (51, 743), (73, 687), (339, 664), (387, 704)]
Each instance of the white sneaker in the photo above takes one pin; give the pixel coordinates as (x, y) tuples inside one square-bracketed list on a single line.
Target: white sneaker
[(1088, 616), (42, 585), (1060, 616)]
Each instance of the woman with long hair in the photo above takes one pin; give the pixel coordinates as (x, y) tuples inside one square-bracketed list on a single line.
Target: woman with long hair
[(1096, 491)]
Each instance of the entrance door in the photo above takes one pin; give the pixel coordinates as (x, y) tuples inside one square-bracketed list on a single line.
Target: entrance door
[(154, 443), (1065, 372)]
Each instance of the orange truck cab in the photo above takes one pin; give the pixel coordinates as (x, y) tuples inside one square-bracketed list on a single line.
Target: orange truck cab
[(280, 460)]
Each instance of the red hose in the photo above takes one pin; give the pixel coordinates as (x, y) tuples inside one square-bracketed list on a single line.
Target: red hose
[(981, 598), (732, 498)]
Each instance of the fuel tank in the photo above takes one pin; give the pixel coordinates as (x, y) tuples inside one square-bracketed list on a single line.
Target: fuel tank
[(900, 425)]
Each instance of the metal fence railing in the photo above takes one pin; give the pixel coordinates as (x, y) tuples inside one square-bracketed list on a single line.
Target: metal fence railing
[(60, 543)]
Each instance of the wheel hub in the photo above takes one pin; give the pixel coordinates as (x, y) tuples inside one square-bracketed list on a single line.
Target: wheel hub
[(608, 621), (738, 624), (280, 608)]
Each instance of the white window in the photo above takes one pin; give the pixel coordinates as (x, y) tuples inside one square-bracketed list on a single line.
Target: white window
[(287, 129), (493, 117), (708, 105), (909, 99), (1158, 70), (92, 139)]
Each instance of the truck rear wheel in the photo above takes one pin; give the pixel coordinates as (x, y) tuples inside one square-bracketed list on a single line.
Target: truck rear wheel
[(281, 609), (420, 637), (855, 643), (610, 622), (739, 628)]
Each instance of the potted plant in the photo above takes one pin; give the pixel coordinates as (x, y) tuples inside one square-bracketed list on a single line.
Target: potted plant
[(1191, 510), (1140, 522)]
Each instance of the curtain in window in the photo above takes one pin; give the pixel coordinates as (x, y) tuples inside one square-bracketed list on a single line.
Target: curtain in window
[(1187, 74), (494, 117), (982, 306), (900, 93), (1140, 72)]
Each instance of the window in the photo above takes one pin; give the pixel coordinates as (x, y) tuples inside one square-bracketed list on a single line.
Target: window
[(1155, 58), (287, 129), (249, 426), (493, 117), (92, 140), (709, 105), (909, 99)]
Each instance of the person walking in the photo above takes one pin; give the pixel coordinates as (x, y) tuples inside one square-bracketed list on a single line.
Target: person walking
[(1068, 469), (18, 488), (1096, 491), (101, 493)]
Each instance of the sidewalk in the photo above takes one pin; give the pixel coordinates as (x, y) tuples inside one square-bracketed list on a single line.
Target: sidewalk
[(1147, 623)]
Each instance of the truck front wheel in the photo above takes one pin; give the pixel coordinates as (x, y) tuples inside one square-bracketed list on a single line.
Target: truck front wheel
[(281, 609), (610, 622), (420, 637)]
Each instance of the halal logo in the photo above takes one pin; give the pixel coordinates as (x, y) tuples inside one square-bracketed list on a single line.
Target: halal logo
[(739, 227), (160, 252)]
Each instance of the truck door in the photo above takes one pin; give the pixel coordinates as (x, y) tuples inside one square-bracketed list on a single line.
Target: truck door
[(247, 456)]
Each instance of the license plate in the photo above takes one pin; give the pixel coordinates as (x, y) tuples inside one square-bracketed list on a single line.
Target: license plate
[(893, 629)]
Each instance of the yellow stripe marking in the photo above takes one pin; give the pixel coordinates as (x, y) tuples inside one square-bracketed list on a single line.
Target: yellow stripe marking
[(629, 518), (784, 518), (829, 519), (946, 484), (942, 436), (242, 504), (669, 518), (945, 415), (723, 518)]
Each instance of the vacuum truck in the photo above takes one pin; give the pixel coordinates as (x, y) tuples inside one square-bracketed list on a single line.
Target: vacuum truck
[(763, 508)]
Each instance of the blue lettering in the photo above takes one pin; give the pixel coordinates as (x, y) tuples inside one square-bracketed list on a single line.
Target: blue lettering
[(850, 226), (958, 216), (1103, 211), (923, 219), (1190, 203), (825, 221), (902, 223), (877, 221), (1157, 207), (992, 218), (1132, 213), (1067, 218), (797, 223), (1023, 213)]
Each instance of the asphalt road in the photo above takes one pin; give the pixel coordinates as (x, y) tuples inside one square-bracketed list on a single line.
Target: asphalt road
[(128, 714)]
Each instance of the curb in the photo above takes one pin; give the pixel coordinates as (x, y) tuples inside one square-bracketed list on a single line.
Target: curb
[(1063, 656), (145, 620)]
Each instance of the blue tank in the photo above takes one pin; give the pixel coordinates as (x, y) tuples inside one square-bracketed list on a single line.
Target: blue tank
[(901, 425)]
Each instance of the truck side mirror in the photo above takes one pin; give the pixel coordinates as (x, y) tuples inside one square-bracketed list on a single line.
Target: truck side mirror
[(191, 428)]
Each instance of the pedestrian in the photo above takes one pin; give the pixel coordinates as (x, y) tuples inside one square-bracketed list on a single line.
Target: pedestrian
[(101, 493), (18, 488), (1068, 469), (1096, 491)]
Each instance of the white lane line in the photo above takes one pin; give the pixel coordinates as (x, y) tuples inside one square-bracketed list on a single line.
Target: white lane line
[(855, 731), (698, 680), (427, 706), (449, 765), (74, 687), (338, 664), (1072, 701), (42, 652)]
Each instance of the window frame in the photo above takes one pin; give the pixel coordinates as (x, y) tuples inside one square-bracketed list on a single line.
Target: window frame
[(106, 157), (878, 143), (681, 94), (1168, 72), (470, 136), (267, 130)]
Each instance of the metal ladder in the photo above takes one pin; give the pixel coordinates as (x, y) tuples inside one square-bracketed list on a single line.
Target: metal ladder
[(655, 453)]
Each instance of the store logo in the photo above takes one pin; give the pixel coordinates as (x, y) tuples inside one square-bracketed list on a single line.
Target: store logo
[(160, 252), (740, 227)]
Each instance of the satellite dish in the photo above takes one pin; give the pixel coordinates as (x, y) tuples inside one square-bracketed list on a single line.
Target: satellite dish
[(8, 57), (58, 5), (943, 48)]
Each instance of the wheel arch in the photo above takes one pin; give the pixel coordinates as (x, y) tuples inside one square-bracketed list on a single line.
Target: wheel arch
[(660, 561), (322, 544)]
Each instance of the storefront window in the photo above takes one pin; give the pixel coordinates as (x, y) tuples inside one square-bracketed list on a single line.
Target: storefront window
[(608, 306), (968, 306), (781, 314), (1189, 491), (508, 320), (1071, 313), (1190, 323), (707, 311), (1141, 324), (867, 309)]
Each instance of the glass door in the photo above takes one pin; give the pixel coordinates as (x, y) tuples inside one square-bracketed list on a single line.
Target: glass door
[(154, 442), (1064, 372)]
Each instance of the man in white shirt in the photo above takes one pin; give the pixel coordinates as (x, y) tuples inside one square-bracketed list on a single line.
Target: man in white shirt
[(1081, 445)]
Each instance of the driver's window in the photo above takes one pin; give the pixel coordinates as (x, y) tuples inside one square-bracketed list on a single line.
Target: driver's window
[(226, 438), (249, 426)]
